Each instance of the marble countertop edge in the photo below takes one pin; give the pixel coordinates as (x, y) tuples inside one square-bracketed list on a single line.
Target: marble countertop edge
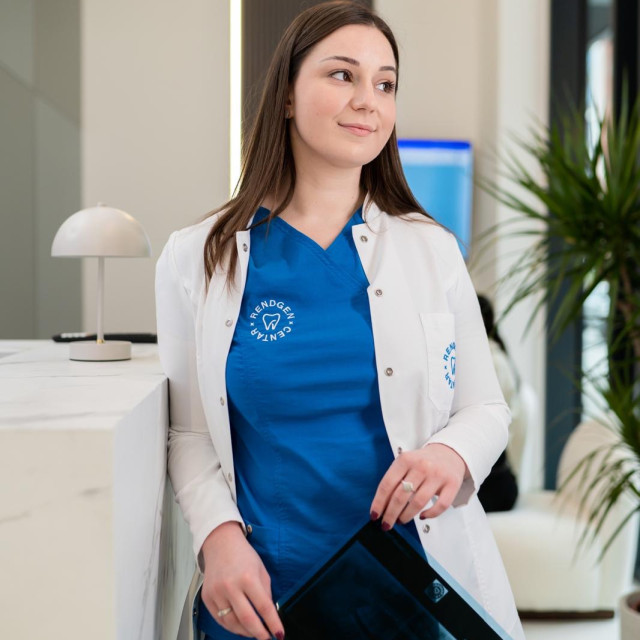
[(41, 389)]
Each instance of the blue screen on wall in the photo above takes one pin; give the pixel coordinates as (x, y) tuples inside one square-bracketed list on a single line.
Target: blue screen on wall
[(440, 174)]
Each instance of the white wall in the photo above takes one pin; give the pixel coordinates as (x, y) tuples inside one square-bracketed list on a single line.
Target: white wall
[(476, 71), (155, 115)]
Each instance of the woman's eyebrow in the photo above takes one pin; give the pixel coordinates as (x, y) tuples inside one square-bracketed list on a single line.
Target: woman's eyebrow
[(355, 63)]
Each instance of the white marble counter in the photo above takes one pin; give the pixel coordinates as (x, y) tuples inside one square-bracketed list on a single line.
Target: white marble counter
[(92, 544), (9, 347)]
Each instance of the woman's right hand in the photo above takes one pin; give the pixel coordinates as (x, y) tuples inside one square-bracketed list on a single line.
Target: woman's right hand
[(236, 578)]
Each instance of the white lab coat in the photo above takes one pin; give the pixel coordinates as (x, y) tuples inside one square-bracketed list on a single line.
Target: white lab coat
[(427, 332)]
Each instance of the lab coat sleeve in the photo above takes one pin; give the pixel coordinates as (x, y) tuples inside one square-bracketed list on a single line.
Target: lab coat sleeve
[(193, 465), (479, 419)]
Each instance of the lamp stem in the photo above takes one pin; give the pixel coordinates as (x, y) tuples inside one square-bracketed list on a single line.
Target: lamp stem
[(100, 336)]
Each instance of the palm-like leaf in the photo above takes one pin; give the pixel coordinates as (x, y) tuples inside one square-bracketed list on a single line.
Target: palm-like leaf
[(596, 223), (582, 217), (618, 472)]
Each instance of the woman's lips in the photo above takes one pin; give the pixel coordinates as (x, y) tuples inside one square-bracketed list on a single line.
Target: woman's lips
[(356, 130)]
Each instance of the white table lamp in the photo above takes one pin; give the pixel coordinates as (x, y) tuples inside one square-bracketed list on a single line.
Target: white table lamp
[(101, 232)]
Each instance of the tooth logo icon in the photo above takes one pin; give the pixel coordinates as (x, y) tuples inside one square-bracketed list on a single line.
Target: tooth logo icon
[(271, 320)]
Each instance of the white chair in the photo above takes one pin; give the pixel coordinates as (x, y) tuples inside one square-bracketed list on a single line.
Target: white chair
[(551, 575)]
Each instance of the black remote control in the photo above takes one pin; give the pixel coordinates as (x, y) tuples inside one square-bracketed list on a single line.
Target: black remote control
[(131, 337)]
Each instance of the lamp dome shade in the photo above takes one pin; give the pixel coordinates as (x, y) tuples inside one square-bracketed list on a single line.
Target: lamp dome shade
[(101, 231)]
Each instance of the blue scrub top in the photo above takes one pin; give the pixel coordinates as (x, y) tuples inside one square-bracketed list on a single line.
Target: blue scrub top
[(309, 442)]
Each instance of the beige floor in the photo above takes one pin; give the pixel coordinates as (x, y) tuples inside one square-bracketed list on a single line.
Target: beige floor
[(598, 630), (578, 630)]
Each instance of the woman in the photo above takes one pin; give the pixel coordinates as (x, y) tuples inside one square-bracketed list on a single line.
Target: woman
[(319, 332)]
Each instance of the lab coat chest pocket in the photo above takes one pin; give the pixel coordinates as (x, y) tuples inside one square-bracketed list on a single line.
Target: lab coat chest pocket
[(439, 334)]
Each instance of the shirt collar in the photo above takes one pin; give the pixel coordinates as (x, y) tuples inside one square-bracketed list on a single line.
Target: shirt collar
[(370, 212)]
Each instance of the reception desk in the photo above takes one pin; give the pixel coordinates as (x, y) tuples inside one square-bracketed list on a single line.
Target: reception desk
[(92, 543)]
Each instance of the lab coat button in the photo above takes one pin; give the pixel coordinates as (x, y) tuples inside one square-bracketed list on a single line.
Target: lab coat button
[(221, 400), (364, 239), (244, 246), (388, 371), (228, 322), (229, 477), (399, 450), (378, 292), (426, 528)]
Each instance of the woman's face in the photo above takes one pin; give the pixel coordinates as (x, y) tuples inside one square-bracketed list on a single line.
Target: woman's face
[(343, 104)]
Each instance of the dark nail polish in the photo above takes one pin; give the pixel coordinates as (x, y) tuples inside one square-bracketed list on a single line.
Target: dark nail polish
[(374, 515), (422, 516), (386, 526), (280, 635)]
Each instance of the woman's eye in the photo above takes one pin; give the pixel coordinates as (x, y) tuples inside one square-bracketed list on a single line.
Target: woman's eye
[(387, 87), (346, 75)]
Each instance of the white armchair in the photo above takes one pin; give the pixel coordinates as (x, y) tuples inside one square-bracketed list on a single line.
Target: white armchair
[(550, 576)]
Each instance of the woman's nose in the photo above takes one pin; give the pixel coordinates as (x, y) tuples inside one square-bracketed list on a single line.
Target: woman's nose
[(363, 96)]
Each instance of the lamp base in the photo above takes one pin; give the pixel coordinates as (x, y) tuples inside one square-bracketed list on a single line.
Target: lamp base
[(90, 350)]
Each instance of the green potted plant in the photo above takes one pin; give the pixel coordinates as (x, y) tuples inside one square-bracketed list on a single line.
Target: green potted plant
[(580, 209)]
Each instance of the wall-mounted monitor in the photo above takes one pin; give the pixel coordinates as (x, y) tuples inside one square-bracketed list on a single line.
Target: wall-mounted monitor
[(440, 174)]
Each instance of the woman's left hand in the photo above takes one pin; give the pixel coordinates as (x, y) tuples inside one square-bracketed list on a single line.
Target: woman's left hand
[(413, 479)]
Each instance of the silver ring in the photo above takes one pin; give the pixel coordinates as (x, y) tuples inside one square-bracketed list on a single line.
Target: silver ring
[(224, 612), (408, 486)]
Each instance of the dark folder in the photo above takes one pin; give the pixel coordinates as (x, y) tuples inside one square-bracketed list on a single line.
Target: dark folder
[(378, 587)]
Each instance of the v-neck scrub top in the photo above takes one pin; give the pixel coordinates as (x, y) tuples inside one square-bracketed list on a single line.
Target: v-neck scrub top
[(309, 442)]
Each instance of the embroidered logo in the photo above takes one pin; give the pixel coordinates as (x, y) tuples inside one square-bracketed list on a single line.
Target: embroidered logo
[(449, 359), (271, 320)]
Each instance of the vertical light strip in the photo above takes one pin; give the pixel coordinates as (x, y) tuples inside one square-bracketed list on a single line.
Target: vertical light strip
[(235, 91)]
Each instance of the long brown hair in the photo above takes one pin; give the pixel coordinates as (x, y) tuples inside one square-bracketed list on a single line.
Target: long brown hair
[(267, 157)]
